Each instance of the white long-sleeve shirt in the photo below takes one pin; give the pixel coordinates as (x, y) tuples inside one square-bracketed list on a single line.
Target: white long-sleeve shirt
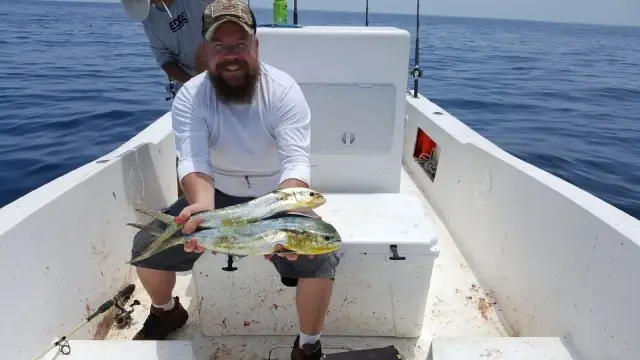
[(247, 150)]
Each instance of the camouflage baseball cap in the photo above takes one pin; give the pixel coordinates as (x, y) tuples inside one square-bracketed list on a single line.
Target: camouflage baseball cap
[(220, 11)]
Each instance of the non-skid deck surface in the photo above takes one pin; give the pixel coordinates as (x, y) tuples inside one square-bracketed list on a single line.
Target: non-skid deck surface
[(457, 306)]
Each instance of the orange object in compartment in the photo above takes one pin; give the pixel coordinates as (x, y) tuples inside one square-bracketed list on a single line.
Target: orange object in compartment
[(424, 144)]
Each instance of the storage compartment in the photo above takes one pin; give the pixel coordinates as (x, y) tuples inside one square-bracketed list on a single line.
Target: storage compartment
[(376, 292), (426, 154), (351, 119)]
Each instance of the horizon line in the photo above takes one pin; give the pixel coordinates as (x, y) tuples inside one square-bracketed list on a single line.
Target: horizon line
[(567, 22)]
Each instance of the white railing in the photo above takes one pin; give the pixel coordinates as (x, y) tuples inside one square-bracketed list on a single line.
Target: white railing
[(64, 246), (558, 261)]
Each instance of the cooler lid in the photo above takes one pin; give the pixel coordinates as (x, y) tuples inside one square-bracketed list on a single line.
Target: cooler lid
[(378, 221)]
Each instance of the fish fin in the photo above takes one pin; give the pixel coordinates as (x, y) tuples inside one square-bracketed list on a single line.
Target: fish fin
[(158, 245), (150, 229), (293, 231), (164, 239), (158, 215), (305, 212), (281, 194)]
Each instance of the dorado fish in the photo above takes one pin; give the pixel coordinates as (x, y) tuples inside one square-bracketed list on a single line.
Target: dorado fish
[(275, 202), (296, 234)]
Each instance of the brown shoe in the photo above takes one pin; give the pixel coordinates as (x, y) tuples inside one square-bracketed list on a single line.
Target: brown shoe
[(308, 351), (160, 322)]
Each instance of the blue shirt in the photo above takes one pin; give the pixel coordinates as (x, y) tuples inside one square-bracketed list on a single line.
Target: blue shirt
[(176, 37)]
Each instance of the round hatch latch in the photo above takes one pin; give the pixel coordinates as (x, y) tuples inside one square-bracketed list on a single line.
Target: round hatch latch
[(348, 138)]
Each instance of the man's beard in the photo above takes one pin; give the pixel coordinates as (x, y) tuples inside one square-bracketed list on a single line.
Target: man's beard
[(235, 94)]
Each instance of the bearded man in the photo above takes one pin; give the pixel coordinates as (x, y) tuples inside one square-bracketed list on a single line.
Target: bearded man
[(243, 126)]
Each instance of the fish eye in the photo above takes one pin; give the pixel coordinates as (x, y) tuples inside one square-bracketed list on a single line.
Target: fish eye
[(313, 193)]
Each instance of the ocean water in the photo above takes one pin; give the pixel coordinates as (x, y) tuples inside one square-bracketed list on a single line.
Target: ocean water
[(78, 79)]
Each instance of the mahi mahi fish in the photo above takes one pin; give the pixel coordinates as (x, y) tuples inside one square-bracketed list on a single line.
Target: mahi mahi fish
[(296, 234), (277, 201)]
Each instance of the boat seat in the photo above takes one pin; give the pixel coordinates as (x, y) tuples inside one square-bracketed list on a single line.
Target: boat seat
[(125, 350), (357, 100), (507, 348), (380, 289)]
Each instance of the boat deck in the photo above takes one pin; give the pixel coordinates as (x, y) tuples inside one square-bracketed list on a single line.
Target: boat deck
[(457, 306)]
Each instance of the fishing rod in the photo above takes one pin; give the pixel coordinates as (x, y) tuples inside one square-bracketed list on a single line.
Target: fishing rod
[(366, 13), (123, 318), (417, 71)]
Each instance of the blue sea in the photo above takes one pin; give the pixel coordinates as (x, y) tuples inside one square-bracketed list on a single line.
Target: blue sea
[(78, 79)]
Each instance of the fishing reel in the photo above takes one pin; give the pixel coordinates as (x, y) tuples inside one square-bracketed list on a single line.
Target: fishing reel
[(124, 318), (171, 89), (416, 72)]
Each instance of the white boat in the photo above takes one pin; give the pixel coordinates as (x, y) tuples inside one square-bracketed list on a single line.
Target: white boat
[(493, 258)]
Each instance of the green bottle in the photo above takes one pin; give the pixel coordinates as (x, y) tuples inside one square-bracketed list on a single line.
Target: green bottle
[(280, 11)]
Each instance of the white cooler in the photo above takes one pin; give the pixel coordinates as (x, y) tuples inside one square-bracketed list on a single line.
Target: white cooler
[(376, 293)]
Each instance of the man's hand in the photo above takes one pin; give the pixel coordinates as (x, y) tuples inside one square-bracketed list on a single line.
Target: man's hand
[(289, 256), (198, 189), (191, 225), (292, 183)]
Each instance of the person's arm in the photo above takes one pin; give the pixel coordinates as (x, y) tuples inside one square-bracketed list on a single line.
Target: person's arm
[(176, 72), (201, 62), (191, 132), (292, 131), (165, 58)]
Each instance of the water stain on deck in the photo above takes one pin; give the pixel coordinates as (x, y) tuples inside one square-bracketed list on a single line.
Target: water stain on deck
[(485, 301), (105, 325), (492, 353), (87, 308), (221, 353), (483, 307)]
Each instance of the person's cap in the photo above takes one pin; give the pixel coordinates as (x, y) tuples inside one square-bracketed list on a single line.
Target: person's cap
[(220, 11), (136, 9)]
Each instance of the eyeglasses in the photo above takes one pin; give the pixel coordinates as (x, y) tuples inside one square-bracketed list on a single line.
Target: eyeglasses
[(220, 48)]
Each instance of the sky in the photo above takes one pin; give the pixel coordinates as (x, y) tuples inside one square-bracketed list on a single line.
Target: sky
[(613, 12)]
